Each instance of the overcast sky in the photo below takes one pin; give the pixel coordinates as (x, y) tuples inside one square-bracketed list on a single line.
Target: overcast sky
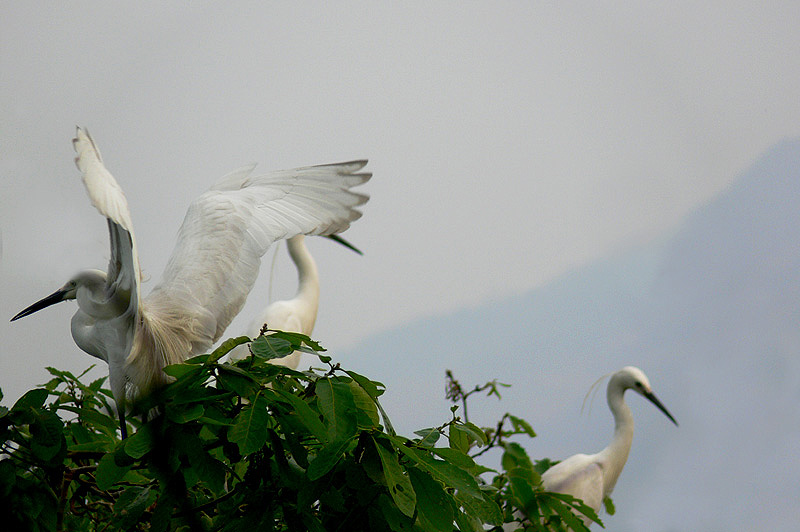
[(510, 142)]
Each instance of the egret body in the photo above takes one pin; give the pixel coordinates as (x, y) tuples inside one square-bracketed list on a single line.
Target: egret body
[(593, 477), (213, 267), (293, 315)]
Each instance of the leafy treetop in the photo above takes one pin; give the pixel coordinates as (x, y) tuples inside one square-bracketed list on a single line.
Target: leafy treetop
[(252, 445)]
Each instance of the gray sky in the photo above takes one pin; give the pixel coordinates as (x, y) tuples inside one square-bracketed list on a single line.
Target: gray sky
[(510, 142)]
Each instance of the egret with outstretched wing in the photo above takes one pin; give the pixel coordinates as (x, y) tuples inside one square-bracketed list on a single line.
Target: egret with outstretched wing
[(213, 267)]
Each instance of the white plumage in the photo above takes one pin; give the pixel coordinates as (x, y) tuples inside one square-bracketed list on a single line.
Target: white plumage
[(293, 315), (593, 477), (213, 267)]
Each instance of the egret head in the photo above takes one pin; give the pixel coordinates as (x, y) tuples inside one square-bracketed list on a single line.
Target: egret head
[(633, 378), (86, 278)]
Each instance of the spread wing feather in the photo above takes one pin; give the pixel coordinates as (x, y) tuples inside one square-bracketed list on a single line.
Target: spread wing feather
[(227, 230)]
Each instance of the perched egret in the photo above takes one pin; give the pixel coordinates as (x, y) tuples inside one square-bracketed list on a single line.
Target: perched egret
[(214, 265), (297, 314), (592, 477)]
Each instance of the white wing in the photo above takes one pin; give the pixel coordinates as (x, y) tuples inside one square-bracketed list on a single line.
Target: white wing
[(226, 231), (107, 197), (109, 333)]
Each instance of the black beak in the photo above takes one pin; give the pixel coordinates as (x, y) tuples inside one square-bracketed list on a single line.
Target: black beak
[(52, 299), (345, 243), (653, 399)]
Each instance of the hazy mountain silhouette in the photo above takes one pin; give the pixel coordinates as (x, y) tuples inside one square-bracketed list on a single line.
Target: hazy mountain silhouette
[(710, 312)]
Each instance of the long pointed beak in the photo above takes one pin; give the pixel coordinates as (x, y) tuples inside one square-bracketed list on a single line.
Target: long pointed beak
[(345, 243), (653, 399), (52, 299)]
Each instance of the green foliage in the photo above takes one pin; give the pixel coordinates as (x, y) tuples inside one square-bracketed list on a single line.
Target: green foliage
[(608, 505), (252, 445)]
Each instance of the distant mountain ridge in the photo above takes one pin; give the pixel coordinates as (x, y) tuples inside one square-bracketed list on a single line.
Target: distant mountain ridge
[(711, 313)]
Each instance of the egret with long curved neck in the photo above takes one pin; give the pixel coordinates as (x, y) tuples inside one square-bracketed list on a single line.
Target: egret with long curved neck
[(213, 267), (593, 477), (298, 314)]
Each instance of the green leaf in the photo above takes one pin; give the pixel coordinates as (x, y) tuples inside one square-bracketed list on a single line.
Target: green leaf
[(460, 459), (464, 435), (540, 466), (459, 439), (366, 411), (271, 347), (484, 509), (399, 484), (208, 469), (47, 429), (297, 339), (65, 375), (521, 426), (97, 384), (211, 421), (96, 446), (202, 394), (608, 504), (131, 504), (32, 399), (87, 370), (327, 458), (249, 430), (435, 511), (96, 419), (446, 473), (197, 359), (475, 432), (522, 482), (429, 437), (387, 513), (308, 417), (109, 472), (238, 381), (576, 504), (47, 436), (227, 346), (141, 442), (81, 434), (565, 512), (182, 370), (336, 403), (468, 523), (323, 358), (515, 456), (184, 414), (52, 384), (374, 388)]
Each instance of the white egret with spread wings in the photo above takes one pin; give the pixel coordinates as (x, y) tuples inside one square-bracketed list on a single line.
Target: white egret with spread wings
[(213, 267)]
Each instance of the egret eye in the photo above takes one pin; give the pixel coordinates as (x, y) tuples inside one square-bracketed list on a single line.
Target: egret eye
[(638, 384)]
